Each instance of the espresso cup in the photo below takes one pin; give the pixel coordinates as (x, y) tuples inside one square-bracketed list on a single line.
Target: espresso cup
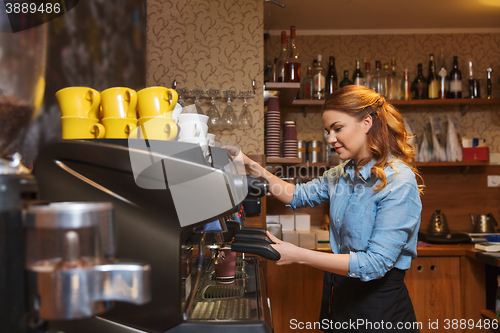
[(225, 266), (119, 128), (157, 128), (79, 102), (81, 128), (119, 102), (192, 130), (156, 101), (189, 117)]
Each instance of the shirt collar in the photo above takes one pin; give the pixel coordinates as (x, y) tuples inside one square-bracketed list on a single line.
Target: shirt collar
[(364, 172)]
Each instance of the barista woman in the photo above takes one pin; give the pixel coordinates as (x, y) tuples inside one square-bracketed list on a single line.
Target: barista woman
[(374, 215)]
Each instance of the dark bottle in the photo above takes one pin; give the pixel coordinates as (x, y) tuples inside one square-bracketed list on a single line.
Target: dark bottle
[(331, 77), (455, 80), (292, 66), (358, 77), (345, 81), (419, 85)]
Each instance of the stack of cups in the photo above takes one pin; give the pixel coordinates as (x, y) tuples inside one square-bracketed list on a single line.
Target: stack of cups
[(289, 140), (118, 111), (194, 129), (273, 127), (80, 113), (155, 105)]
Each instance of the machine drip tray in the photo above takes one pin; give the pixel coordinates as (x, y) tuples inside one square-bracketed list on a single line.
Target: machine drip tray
[(217, 292), (234, 309)]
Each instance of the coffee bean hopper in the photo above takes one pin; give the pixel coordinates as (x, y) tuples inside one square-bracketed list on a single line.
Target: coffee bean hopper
[(71, 266)]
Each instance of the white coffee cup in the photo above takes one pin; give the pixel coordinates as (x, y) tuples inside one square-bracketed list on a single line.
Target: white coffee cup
[(193, 130), (211, 139), (202, 142), (188, 117)]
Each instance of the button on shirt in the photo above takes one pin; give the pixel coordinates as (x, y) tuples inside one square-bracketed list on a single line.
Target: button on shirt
[(378, 229)]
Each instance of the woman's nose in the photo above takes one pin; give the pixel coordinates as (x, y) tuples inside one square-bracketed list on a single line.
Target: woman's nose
[(332, 138)]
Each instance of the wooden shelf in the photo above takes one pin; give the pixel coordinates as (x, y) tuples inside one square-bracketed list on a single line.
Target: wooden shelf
[(490, 314), (416, 102), (283, 160), (447, 164), (313, 165), (288, 91)]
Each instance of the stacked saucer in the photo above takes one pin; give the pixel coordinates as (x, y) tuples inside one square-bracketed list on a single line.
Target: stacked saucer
[(273, 128), (289, 139)]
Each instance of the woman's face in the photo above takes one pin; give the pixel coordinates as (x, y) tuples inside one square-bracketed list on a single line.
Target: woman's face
[(348, 135)]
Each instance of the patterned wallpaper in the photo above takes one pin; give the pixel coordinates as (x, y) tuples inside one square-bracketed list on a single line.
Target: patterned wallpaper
[(482, 49), (205, 44)]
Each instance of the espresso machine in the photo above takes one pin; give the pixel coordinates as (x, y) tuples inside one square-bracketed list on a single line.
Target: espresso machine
[(175, 209)]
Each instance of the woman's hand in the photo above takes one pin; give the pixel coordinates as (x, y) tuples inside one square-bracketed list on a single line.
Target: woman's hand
[(288, 251)]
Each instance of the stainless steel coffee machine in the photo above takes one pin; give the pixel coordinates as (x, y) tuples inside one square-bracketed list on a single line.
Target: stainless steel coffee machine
[(174, 209)]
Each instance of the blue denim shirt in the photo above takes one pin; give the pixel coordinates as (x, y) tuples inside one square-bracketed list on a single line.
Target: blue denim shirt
[(378, 229)]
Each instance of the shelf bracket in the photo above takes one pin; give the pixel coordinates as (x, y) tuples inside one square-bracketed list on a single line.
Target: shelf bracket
[(463, 109), (304, 111)]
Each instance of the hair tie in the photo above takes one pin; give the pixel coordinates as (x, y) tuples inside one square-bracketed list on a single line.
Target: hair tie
[(381, 101)]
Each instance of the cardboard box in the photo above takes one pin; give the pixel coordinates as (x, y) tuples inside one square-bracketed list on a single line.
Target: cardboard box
[(287, 222), (272, 219), (291, 236), (476, 154), (307, 239), (322, 238), (302, 222)]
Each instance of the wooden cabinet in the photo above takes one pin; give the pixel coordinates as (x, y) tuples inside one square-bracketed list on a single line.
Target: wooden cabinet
[(435, 290)]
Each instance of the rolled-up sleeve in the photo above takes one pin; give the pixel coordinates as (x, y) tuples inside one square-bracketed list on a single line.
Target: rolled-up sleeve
[(395, 230), (316, 191)]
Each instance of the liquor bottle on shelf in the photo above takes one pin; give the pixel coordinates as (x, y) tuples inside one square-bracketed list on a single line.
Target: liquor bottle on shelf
[(393, 82), (488, 82), (292, 65), (419, 85), (280, 66), (307, 84), (444, 82), (331, 77), (432, 81), (455, 80), (406, 86), (345, 81), (358, 77), (368, 76), (378, 79), (385, 80), (474, 87), (319, 80), (273, 76)]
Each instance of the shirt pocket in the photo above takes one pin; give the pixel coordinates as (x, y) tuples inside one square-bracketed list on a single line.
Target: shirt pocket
[(353, 227)]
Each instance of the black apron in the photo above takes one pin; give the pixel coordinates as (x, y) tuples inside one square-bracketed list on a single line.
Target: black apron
[(382, 305)]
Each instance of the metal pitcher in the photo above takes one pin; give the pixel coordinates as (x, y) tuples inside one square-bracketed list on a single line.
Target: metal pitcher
[(438, 224), (483, 223)]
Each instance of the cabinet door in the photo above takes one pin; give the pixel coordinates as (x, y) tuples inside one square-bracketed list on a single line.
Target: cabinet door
[(434, 287), (295, 294)]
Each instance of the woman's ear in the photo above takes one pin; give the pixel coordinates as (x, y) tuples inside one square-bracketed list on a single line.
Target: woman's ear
[(367, 123)]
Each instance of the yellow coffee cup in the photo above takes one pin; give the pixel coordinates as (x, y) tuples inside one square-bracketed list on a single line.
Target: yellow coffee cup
[(157, 128), (79, 102), (81, 128), (155, 101), (119, 102), (119, 128)]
